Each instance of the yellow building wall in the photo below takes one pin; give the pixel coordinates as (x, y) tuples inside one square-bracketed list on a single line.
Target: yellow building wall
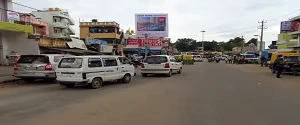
[(15, 27)]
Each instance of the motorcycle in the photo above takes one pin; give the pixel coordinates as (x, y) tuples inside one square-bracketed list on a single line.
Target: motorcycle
[(218, 60), (209, 60)]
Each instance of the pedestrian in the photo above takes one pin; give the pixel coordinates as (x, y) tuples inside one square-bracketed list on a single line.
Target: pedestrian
[(262, 61), (239, 60), (279, 66), (226, 60)]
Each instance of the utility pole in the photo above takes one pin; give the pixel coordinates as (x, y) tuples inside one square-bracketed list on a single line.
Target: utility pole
[(261, 27), (146, 44), (203, 43), (242, 45)]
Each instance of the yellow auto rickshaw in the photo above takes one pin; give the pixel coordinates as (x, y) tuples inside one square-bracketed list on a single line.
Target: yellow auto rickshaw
[(291, 62), (188, 59)]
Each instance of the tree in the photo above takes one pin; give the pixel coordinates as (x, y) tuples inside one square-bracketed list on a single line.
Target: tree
[(253, 40), (185, 44)]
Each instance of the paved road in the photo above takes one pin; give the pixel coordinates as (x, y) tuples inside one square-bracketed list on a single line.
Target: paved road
[(205, 94)]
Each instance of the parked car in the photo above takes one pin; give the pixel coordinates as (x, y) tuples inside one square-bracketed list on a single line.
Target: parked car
[(94, 70), (33, 67), (160, 64)]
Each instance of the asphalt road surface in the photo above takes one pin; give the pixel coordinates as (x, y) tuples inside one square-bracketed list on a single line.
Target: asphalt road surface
[(204, 94)]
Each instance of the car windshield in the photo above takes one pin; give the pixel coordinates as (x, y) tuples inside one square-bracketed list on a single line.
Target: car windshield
[(156, 59), (70, 63), (33, 59), (292, 58)]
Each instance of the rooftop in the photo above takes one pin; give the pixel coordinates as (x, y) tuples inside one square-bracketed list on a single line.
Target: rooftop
[(295, 18), (112, 23)]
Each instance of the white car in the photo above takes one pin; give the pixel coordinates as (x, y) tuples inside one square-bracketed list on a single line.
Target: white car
[(198, 58), (160, 64), (93, 70)]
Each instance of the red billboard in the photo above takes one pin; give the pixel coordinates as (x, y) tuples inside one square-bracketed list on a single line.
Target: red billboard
[(143, 42)]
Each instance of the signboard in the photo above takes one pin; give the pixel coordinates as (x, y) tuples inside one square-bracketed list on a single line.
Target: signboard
[(143, 42), (106, 49), (154, 25), (13, 16), (285, 26), (97, 41)]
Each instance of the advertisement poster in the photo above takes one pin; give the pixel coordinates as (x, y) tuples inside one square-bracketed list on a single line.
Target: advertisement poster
[(143, 42), (13, 16), (154, 25), (285, 26)]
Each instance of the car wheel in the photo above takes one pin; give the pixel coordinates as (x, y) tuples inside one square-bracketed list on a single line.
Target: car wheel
[(96, 83), (295, 73), (69, 85), (170, 73), (144, 74), (180, 70), (126, 78)]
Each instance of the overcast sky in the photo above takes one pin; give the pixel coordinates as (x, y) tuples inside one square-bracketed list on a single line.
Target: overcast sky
[(221, 19)]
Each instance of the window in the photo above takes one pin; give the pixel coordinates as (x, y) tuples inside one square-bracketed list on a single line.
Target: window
[(156, 59), (108, 62), (70, 63), (57, 30), (124, 60), (56, 19), (172, 60), (33, 59), (94, 62), (57, 58)]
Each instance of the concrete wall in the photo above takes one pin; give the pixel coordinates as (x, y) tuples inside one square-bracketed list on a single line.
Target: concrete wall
[(16, 41)]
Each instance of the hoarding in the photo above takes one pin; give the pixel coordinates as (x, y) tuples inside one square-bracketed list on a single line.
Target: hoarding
[(143, 42), (285, 26), (154, 25)]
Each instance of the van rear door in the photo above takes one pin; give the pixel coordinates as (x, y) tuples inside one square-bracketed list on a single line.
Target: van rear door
[(70, 68)]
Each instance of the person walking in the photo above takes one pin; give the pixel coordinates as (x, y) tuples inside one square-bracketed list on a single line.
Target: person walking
[(262, 61), (278, 66), (230, 58)]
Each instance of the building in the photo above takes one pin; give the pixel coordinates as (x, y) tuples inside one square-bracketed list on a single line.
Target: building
[(14, 34), (289, 37), (108, 31), (102, 31), (238, 50), (40, 28), (59, 22), (295, 34)]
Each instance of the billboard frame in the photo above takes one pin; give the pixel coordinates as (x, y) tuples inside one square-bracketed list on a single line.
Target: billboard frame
[(152, 34)]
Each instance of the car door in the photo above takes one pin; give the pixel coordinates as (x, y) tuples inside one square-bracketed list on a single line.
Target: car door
[(174, 64), (126, 66), (95, 69), (111, 68)]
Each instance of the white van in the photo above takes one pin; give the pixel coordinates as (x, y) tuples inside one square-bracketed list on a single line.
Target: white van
[(94, 70)]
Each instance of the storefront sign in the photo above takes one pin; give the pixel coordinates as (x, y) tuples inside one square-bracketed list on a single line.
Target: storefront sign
[(13, 16), (52, 43), (143, 42), (106, 49)]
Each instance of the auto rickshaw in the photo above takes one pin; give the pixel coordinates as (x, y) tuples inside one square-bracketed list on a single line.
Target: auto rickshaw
[(291, 62), (188, 59)]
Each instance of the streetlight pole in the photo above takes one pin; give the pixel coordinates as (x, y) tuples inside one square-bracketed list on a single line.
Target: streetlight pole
[(259, 43), (146, 45), (203, 41)]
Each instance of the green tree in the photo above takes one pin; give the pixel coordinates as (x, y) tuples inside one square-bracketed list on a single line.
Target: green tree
[(185, 44), (253, 40)]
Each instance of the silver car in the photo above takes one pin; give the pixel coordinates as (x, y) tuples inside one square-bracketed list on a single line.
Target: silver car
[(33, 67)]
